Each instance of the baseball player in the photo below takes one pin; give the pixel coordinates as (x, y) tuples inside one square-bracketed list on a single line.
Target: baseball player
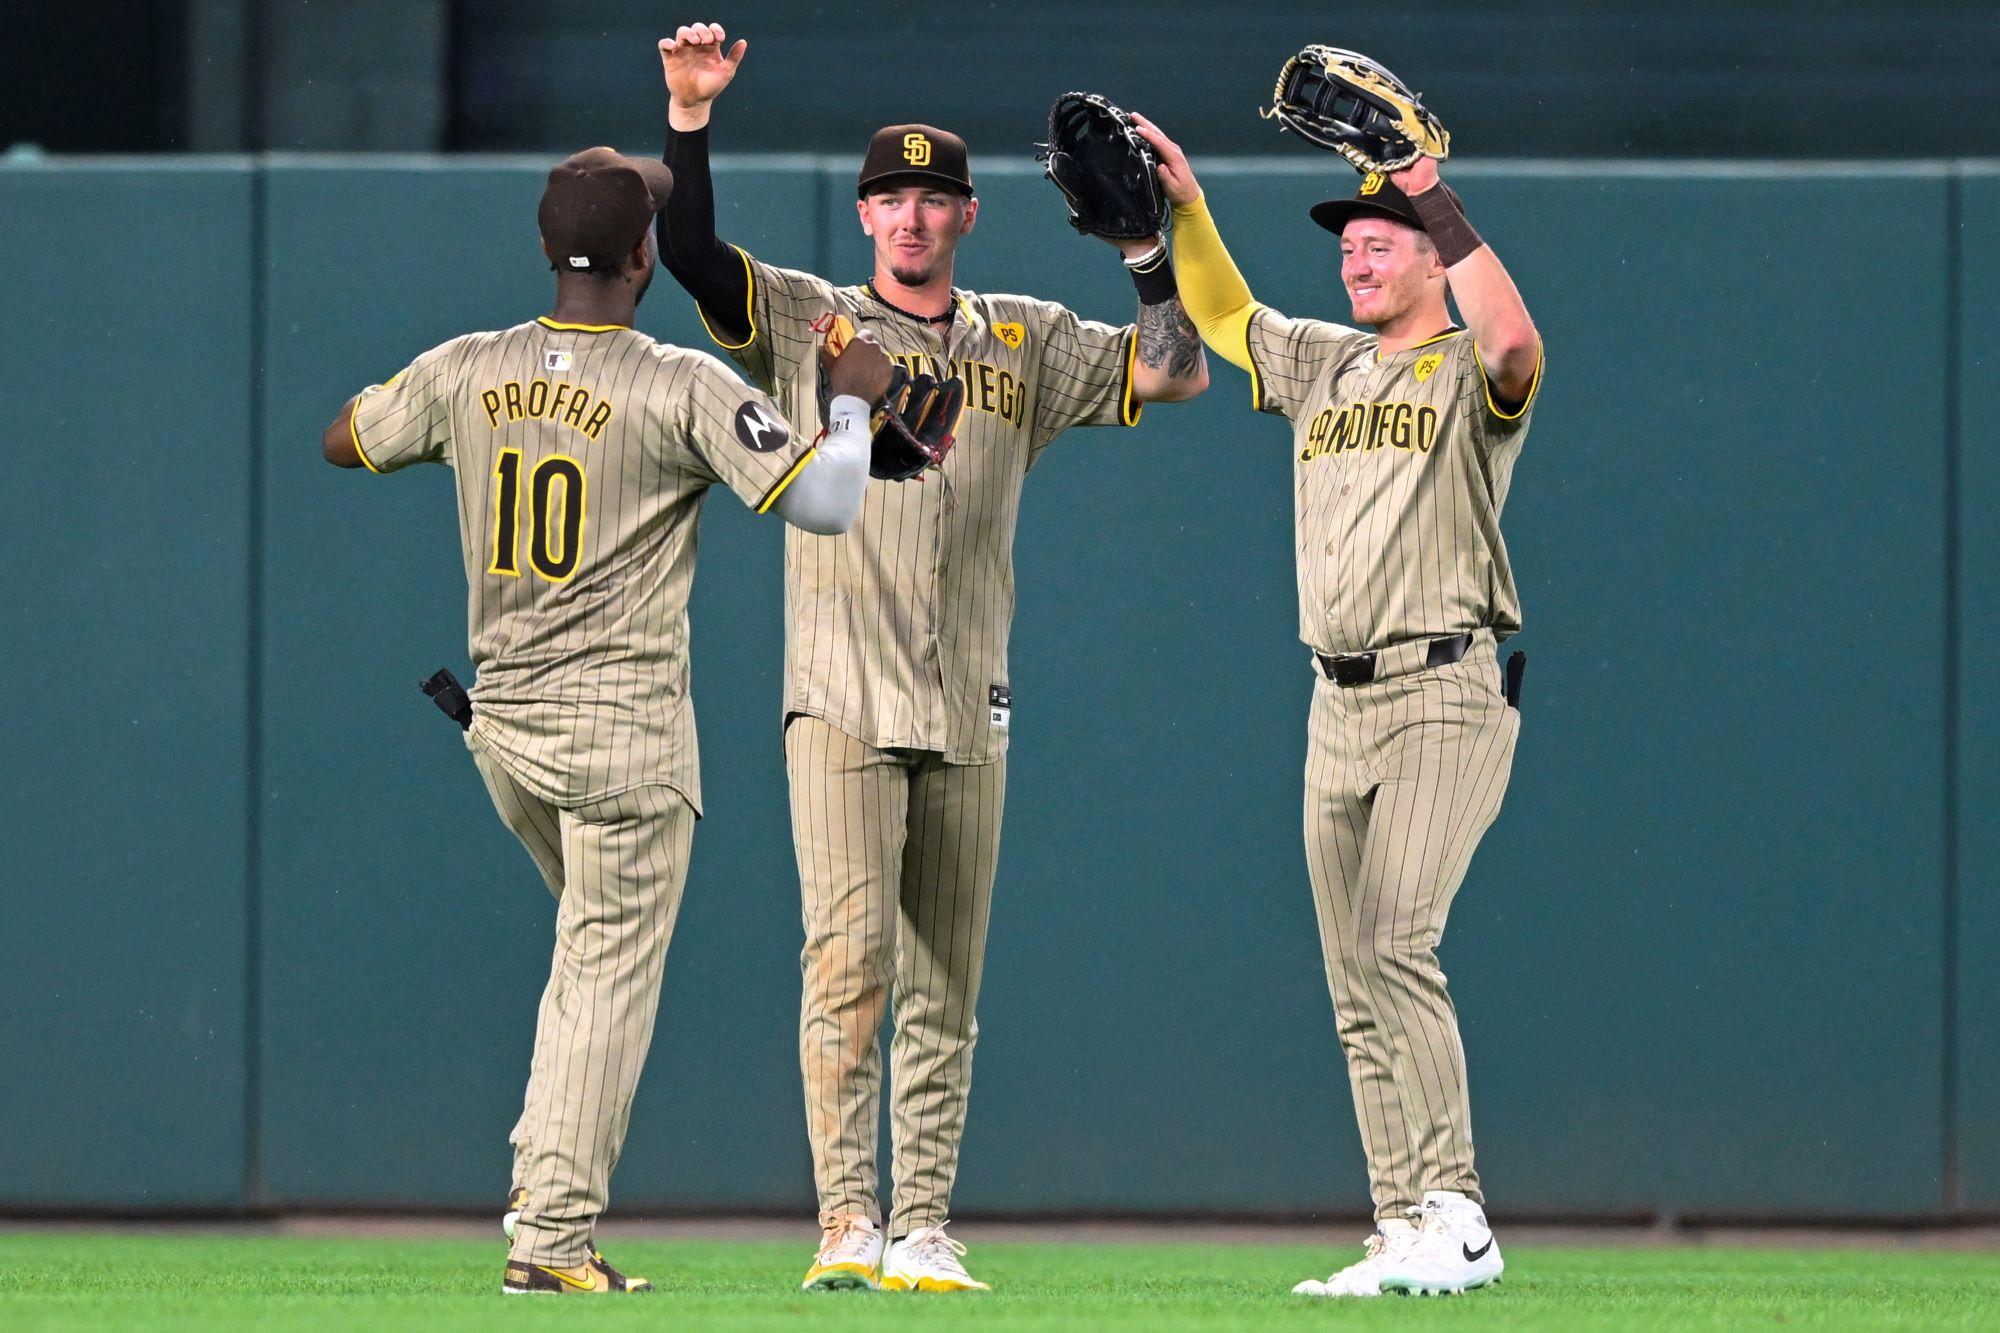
[(1404, 440), (582, 451), (897, 703)]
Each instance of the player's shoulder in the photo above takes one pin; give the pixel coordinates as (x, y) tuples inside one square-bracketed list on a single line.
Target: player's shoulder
[(692, 366), (454, 356), (1035, 317), (796, 282), (1012, 307), (1305, 329)]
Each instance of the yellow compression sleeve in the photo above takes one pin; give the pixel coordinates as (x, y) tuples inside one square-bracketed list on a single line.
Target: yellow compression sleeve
[(1212, 291)]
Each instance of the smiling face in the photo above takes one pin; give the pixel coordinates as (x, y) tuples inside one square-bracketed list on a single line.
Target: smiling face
[(916, 229), (1391, 271)]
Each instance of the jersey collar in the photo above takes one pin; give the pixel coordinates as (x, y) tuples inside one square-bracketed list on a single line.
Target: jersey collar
[(1451, 332), (938, 322), (548, 323)]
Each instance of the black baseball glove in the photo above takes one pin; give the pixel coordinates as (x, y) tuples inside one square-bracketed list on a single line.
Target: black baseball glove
[(1344, 101), (915, 425), (1104, 168)]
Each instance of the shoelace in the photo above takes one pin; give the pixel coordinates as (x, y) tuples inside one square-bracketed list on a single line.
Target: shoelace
[(1375, 1247), (844, 1231), (933, 1246)]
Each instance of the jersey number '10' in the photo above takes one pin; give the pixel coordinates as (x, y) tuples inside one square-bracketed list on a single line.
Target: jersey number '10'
[(555, 516)]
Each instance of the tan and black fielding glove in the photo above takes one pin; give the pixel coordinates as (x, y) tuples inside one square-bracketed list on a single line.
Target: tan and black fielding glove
[(913, 425), (1343, 101)]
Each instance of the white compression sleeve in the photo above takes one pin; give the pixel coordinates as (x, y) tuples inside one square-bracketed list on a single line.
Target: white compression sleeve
[(826, 496)]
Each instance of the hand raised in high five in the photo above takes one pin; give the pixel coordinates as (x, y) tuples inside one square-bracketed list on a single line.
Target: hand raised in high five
[(698, 65), (1176, 176)]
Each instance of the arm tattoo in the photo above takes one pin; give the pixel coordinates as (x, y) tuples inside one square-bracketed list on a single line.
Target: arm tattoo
[(1167, 338)]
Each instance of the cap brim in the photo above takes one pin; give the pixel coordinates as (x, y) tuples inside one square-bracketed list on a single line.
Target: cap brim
[(659, 181), (937, 176), (1335, 214)]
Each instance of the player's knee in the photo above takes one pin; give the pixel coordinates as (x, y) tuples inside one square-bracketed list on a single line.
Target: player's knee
[(1390, 958), (842, 970), (1353, 1023)]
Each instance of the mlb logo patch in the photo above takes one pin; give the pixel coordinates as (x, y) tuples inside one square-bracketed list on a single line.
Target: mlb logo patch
[(555, 360)]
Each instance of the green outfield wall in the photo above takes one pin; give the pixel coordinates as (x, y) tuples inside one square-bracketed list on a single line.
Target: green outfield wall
[(1731, 949)]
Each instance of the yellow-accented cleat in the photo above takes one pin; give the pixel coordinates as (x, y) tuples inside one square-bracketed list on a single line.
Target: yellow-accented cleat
[(928, 1260), (849, 1257), (592, 1277)]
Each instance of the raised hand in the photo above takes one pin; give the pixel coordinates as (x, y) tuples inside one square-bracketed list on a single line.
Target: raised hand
[(698, 64), (1414, 179), (1176, 176)]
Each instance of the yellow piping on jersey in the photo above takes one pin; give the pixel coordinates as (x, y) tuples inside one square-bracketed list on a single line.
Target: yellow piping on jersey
[(749, 310), (1486, 382), (548, 323), (354, 429), (1129, 407), (1250, 361), (791, 475)]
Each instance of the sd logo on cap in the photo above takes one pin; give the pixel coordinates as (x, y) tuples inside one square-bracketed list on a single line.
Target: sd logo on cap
[(922, 153)]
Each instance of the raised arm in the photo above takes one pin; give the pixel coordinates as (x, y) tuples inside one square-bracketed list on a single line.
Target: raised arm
[(1169, 367), (1510, 348), (1211, 291), (698, 66)]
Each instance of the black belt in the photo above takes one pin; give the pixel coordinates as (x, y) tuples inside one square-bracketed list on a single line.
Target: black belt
[(1350, 669)]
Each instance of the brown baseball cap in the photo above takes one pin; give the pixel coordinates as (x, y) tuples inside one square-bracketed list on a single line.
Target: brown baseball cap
[(598, 204), (921, 151), (1376, 198)]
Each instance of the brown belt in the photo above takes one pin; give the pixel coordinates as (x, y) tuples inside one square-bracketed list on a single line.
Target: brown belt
[(1351, 669)]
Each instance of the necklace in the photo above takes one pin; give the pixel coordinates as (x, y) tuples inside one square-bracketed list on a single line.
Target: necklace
[(945, 318)]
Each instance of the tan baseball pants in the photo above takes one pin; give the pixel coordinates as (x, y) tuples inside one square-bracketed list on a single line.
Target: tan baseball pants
[(897, 851), (616, 868), (1403, 776)]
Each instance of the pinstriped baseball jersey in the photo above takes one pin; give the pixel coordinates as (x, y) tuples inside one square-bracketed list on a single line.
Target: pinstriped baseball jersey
[(1401, 467), (582, 456), (896, 632)]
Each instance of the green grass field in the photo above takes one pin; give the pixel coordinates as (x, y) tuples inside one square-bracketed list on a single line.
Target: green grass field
[(60, 1279)]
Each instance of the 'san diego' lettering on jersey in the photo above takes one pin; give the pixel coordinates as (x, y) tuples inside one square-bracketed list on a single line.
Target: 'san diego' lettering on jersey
[(1411, 427), (562, 402), (988, 388)]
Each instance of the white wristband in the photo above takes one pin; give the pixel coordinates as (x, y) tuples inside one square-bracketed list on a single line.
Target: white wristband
[(846, 412), (1149, 258)]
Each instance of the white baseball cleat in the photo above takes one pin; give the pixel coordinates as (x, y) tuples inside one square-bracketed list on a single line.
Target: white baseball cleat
[(849, 1257), (1392, 1237), (1454, 1250), (928, 1260)]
